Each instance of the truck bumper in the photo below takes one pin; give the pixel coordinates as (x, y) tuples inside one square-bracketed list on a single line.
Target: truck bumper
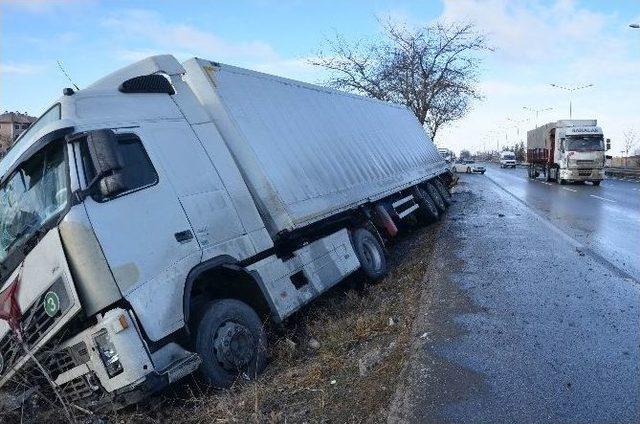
[(582, 174), (99, 362)]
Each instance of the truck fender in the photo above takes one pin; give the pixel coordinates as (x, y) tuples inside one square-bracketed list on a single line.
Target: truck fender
[(221, 262)]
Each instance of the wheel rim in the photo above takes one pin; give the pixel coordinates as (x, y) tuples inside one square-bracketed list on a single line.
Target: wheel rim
[(371, 255), (234, 346)]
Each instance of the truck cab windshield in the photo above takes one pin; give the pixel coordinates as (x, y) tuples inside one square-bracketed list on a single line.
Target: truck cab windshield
[(584, 143), (32, 197)]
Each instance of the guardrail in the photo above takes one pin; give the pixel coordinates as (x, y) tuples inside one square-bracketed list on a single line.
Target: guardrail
[(623, 172)]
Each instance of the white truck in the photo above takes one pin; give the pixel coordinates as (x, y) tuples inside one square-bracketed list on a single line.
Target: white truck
[(151, 222), (507, 159), (567, 151)]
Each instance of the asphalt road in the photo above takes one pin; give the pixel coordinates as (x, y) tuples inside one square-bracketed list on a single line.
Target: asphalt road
[(605, 219), (531, 307)]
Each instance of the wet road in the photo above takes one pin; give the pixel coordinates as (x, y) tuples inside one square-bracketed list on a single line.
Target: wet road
[(525, 318), (605, 219)]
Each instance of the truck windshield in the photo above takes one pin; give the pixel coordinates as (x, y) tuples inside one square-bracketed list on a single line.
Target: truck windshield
[(584, 143), (35, 194), (509, 157)]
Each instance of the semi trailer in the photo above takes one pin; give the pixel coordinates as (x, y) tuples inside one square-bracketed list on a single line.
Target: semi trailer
[(567, 151), (153, 222)]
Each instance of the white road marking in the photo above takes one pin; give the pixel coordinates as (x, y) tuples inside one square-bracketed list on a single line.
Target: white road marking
[(544, 182), (569, 189), (602, 198)]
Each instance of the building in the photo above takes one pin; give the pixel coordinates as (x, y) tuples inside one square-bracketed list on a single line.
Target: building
[(12, 124)]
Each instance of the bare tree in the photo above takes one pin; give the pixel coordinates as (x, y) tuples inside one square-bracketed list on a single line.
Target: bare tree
[(630, 140), (433, 70)]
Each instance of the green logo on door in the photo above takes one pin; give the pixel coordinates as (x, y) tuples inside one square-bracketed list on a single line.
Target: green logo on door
[(51, 303)]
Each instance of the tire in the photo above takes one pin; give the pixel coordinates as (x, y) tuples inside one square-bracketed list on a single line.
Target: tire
[(427, 211), (231, 341), (370, 253), (468, 170), (547, 177), (482, 172), (562, 181), (446, 195), (437, 199), (596, 183)]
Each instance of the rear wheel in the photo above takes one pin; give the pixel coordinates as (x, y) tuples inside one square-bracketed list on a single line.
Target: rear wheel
[(370, 253), (446, 195), (437, 199), (428, 211), (231, 341)]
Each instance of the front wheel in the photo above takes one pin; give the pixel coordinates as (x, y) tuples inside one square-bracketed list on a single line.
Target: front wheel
[(562, 181), (231, 341), (370, 253), (596, 183)]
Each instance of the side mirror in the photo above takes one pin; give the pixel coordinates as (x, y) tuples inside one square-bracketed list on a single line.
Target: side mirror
[(608, 144), (102, 146)]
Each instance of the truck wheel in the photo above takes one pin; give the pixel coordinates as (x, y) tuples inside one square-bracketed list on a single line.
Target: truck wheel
[(446, 194), (437, 199), (428, 211), (562, 181), (595, 183), (231, 342), (468, 170), (370, 253)]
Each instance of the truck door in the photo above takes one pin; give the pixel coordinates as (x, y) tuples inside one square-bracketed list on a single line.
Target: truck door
[(144, 233)]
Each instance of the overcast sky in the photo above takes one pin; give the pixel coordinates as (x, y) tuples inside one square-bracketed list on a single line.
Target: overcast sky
[(537, 43)]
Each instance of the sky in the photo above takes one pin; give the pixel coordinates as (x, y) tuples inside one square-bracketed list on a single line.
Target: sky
[(537, 43)]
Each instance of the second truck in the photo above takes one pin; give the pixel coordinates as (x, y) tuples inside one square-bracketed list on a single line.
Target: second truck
[(567, 151)]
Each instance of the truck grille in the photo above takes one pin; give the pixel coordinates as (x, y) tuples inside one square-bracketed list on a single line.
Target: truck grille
[(85, 388), (36, 324), (63, 360)]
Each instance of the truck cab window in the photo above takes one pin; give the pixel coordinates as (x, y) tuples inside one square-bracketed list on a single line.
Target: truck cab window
[(137, 170), (34, 195)]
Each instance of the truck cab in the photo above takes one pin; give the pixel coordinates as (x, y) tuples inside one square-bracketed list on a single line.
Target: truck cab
[(580, 153), (103, 224)]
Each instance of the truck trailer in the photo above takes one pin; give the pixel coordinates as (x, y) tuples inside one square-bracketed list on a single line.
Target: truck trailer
[(153, 222), (567, 151)]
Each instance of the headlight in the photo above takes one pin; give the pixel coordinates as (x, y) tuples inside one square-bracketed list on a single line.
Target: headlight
[(108, 353)]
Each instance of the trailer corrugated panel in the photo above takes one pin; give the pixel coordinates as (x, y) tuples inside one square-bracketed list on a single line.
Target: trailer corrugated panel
[(539, 138), (308, 152)]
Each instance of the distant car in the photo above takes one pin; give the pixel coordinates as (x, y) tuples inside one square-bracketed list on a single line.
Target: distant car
[(467, 166)]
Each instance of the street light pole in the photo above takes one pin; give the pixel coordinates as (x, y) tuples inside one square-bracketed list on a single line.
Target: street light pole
[(571, 90)]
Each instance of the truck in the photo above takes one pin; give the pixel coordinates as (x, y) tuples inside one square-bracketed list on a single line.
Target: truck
[(570, 150), (446, 154), (153, 223), (507, 159)]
